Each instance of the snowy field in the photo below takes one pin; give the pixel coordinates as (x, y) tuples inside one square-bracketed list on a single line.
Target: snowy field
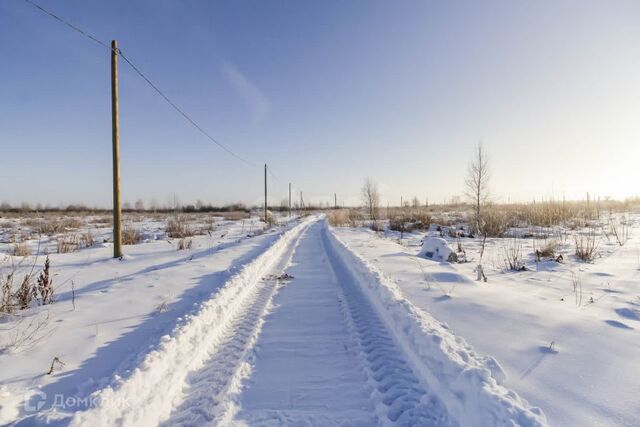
[(572, 351), (301, 323)]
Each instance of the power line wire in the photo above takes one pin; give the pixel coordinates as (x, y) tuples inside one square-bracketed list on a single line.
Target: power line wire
[(68, 24), (179, 110), (145, 78), (272, 174)]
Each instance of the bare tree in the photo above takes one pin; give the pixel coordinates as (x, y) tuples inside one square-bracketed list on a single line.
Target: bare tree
[(477, 183), (371, 198)]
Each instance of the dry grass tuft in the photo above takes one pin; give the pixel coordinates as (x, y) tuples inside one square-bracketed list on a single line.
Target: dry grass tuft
[(131, 236), (68, 243), (586, 245), (177, 227), (338, 218), (50, 227), (494, 223), (184, 244), (548, 250), (20, 249)]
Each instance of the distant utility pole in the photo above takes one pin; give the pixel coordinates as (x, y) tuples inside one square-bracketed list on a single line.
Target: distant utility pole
[(117, 212), (289, 200), (335, 201), (265, 193), (301, 201)]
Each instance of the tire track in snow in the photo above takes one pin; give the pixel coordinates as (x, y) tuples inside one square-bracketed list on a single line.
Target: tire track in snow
[(401, 399), (148, 396), (206, 388)]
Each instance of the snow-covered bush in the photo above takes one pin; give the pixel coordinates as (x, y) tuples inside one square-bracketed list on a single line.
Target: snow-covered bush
[(437, 249)]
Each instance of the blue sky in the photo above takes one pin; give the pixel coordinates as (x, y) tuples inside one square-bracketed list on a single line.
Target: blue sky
[(327, 93)]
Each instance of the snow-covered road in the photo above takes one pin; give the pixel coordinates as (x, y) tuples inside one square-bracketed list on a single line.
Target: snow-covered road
[(332, 342), (325, 358)]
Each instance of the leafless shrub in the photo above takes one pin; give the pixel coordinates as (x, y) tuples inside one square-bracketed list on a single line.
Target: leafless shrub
[(548, 250), (409, 220), (131, 236), (22, 334), (586, 245), (354, 218), (512, 255), (619, 228), (177, 227), (43, 291), (376, 226), (184, 244), (6, 294), (25, 293), (400, 224)]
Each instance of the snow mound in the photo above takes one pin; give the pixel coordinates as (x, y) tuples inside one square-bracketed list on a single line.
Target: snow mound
[(437, 249), (468, 384)]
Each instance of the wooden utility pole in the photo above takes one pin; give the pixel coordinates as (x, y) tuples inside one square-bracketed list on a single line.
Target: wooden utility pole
[(289, 200), (335, 201), (265, 193), (117, 212)]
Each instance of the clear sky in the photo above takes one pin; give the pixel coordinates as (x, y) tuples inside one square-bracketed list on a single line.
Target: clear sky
[(327, 93)]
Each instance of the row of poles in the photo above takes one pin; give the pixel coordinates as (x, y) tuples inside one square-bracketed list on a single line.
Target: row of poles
[(117, 208)]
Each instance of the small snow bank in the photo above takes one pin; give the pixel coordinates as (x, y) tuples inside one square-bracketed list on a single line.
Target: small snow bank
[(150, 393), (468, 384), (437, 249)]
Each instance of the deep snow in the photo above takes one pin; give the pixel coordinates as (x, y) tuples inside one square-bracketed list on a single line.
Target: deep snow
[(576, 361)]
